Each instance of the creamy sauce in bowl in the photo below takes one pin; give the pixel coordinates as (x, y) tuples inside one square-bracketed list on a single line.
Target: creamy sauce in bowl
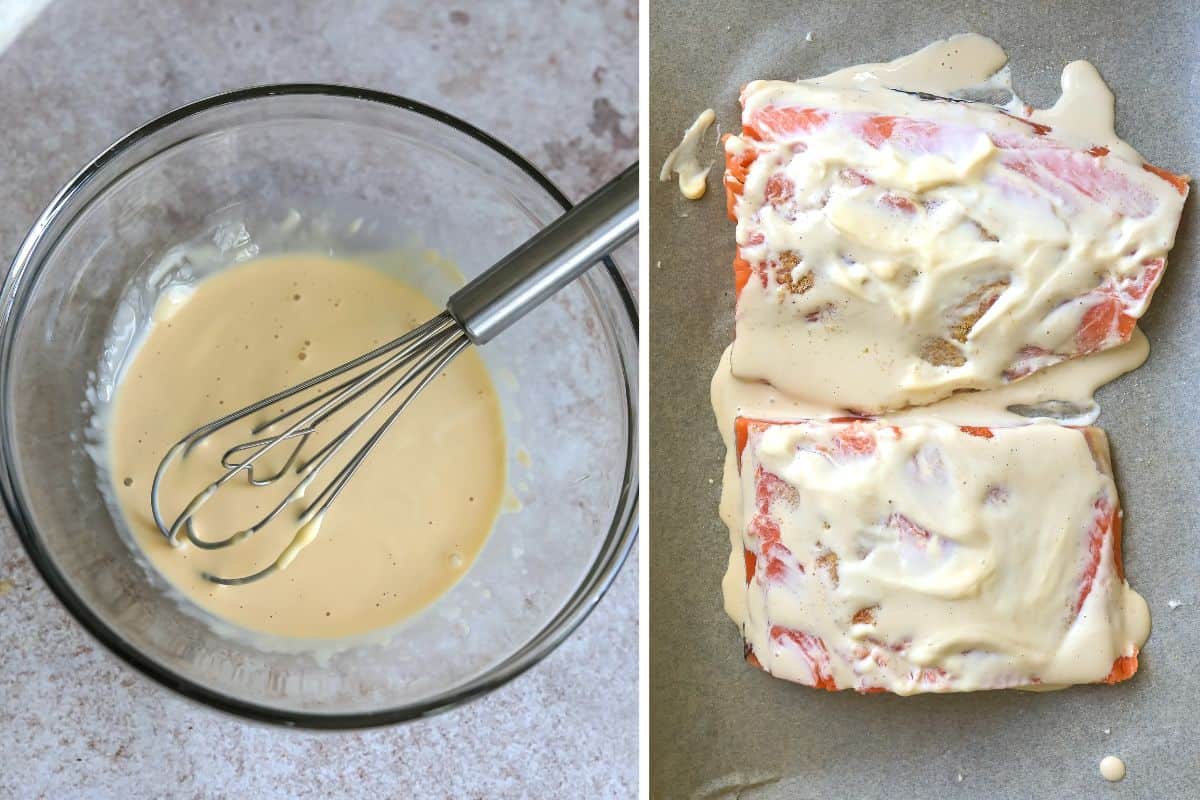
[(404, 530)]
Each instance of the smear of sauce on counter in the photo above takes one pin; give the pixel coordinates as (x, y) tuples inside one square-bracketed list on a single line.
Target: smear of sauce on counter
[(684, 160), (876, 274), (403, 531)]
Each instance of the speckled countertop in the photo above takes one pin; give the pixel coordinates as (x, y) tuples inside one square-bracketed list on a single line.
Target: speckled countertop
[(558, 82)]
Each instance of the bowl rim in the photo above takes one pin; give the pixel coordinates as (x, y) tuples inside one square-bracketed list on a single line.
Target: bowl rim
[(622, 531)]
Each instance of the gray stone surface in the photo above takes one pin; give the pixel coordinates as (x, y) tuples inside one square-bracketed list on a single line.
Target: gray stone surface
[(558, 82)]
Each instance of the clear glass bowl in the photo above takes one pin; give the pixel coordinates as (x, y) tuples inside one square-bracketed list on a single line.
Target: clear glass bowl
[(236, 162)]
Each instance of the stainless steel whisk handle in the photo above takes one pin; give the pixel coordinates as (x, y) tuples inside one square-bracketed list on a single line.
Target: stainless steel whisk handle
[(552, 258)]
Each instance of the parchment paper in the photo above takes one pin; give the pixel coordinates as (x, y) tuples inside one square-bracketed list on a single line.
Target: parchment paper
[(719, 728)]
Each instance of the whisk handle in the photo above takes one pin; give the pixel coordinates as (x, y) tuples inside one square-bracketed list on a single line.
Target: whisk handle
[(552, 258)]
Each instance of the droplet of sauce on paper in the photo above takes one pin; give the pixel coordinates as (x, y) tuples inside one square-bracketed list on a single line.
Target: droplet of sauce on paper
[(1112, 768)]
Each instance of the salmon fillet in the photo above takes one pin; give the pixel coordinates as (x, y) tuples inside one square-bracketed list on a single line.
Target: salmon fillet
[(953, 245), (929, 557)]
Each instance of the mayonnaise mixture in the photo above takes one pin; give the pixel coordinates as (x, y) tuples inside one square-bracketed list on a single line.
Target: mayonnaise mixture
[(896, 251), (406, 527), (949, 245)]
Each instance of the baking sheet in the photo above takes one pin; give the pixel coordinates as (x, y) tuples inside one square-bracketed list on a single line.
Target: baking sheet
[(720, 728)]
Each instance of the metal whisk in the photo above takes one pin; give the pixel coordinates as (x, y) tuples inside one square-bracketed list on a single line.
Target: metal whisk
[(474, 314)]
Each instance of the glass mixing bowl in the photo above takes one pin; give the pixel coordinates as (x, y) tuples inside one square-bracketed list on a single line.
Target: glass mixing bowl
[(360, 172)]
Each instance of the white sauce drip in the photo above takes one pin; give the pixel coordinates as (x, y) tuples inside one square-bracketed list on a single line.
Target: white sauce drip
[(684, 160)]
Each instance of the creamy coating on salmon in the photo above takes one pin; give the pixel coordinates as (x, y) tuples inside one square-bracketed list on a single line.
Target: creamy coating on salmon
[(404, 530), (931, 557), (892, 260), (943, 245)]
